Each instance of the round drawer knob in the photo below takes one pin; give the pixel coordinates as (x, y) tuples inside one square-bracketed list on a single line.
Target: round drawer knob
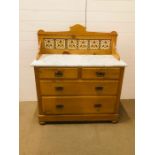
[(97, 105), (58, 74), (100, 74), (99, 88), (59, 106), (59, 88)]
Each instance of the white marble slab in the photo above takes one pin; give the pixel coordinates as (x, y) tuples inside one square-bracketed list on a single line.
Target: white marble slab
[(47, 60)]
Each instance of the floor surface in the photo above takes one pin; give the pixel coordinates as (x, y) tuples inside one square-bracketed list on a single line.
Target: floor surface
[(76, 139)]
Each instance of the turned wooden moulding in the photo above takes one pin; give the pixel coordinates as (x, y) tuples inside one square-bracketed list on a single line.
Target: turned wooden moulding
[(77, 41)]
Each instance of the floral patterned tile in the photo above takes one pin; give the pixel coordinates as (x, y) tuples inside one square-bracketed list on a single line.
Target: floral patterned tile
[(105, 44), (72, 44), (60, 44), (94, 44), (49, 43), (82, 44)]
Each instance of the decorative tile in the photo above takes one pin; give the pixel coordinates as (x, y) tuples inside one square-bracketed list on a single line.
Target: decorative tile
[(83, 44), (72, 44), (49, 43), (60, 44), (94, 44), (105, 44)]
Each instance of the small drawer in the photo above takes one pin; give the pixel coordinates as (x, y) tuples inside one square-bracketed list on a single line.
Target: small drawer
[(58, 73), (106, 87), (78, 105), (100, 73)]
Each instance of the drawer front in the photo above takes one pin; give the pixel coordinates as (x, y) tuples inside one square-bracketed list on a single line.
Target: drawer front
[(58, 73), (78, 105), (100, 73), (47, 87)]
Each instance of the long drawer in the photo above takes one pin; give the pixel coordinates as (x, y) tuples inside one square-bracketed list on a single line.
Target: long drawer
[(78, 105), (49, 87)]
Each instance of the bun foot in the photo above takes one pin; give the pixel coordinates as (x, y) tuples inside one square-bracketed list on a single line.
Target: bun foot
[(115, 121), (42, 123)]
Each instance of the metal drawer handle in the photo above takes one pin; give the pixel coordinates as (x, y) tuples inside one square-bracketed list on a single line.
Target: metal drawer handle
[(59, 106), (99, 88), (98, 105), (59, 88), (100, 74), (58, 74)]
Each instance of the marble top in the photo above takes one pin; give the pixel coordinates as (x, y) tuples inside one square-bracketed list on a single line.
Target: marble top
[(61, 60)]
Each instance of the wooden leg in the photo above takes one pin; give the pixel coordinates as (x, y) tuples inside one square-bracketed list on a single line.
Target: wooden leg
[(42, 123)]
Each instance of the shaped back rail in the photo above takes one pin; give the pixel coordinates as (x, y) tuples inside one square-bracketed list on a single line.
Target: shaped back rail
[(77, 41)]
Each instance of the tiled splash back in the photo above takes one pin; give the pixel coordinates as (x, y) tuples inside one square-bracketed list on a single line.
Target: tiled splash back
[(79, 44)]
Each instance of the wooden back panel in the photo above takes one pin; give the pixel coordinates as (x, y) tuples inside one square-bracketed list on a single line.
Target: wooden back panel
[(77, 41)]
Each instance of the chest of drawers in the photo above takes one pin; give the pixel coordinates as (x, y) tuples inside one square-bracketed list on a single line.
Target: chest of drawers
[(78, 87)]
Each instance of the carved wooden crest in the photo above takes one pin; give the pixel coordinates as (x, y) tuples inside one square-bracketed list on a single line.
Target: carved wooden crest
[(78, 28)]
